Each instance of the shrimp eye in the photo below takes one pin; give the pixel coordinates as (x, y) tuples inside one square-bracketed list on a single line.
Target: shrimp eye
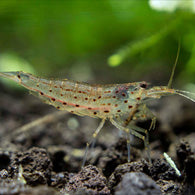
[(143, 85)]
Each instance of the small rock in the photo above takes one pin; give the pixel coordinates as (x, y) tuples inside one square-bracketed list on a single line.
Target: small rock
[(35, 163), (137, 183), (169, 187), (139, 166), (88, 181), (160, 169)]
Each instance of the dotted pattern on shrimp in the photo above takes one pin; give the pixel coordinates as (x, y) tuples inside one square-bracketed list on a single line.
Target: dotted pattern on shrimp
[(84, 99)]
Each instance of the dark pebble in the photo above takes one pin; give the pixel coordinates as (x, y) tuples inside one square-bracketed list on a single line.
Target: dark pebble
[(88, 181), (137, 183)]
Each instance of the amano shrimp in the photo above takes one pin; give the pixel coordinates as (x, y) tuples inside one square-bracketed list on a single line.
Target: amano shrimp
[(121, 104)]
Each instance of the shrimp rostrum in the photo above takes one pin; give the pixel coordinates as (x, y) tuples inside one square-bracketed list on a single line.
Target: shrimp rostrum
[(121, 104)]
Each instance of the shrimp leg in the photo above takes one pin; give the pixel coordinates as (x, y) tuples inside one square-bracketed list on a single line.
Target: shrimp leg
[(134, 130), (127, 130), (92, 140), (144, 113), (144, 138), (128, 146)]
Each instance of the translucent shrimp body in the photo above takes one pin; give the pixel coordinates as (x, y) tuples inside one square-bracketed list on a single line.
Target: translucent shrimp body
[(122, 104), (102, 101)]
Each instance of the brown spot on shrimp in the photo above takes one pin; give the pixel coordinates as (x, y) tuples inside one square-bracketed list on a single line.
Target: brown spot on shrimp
[(121, 92)]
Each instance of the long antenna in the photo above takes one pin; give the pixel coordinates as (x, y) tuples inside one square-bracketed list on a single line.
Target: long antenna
[(173, 70)]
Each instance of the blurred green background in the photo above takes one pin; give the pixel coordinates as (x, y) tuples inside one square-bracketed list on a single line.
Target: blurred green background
[(98, 41)]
